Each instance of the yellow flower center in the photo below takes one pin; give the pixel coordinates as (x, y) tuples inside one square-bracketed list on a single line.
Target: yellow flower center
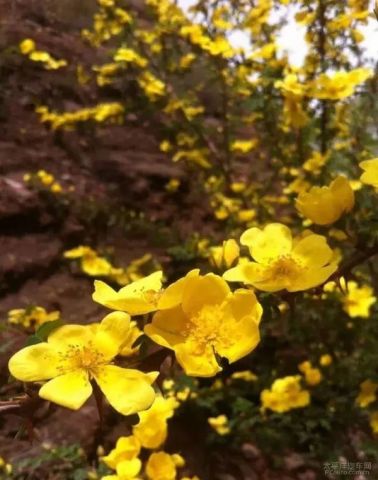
[(285, 267), (81, 357), (206, 328)]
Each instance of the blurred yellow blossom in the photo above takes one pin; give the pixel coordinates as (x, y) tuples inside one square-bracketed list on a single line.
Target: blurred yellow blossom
[(285, 394), (219, 424), (368, 393), (313, 376), (152, 429), (325, 360), (325, 205), (370, 175), (32, 316)]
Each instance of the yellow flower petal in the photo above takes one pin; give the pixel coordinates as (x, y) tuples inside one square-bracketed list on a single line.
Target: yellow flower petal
[(68, 335), (167, 327), (137, 298), (173, 294), (248, 342), (127, 391), (250, 273), (128, 469), (312, 278), (244, 303), (70, 390), (208, 290), (203, 365), (271, 242), (313, 251), (112, 333), (34, 363)]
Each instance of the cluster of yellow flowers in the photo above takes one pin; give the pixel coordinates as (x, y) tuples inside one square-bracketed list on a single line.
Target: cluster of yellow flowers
[(369, 394), (150, 433), (103, 112), (198, 317), (29, 48), (219, 424), (44, 179), (108, 22), (96, 265), (285, 394), (32, 317)]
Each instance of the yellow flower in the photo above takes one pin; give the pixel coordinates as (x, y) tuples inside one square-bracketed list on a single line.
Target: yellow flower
[(137, 298), (370, 175), (245, 375), (126, 448), (152, 429), (325, 360), (32, 316), (225, 255), (56, 187), (127, 348), (201, 319), (173, 185), (338, 85), (91, 263), (129, 56), (358, 300), (285, 394), (219, 424), (325, 205), (313, 375), (76, 354), (46, 178), (126, 470), (316, 161), (162, 466), (152, 86), (283, 262), (245, 215), (368, 393), (27, 46), (374, 421), (243, 146)]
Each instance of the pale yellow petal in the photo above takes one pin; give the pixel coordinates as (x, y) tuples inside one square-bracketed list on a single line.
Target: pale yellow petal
[(197, 364), (70, 390), (246, 340), (168, 327), (34, 363), (173, 294), (312, 251), (208, 290), (127, 391), (244, 303), (112, 333), (137, 298), (248, 273), (68, 335), (267, 244), (312, 278), (128, 469)]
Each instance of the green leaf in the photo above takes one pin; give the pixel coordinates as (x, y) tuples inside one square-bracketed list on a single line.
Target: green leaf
[(33, 340), (46, 328)]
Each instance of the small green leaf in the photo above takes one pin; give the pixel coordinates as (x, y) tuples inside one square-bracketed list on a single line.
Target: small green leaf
[(33, 340), (46, 328)]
